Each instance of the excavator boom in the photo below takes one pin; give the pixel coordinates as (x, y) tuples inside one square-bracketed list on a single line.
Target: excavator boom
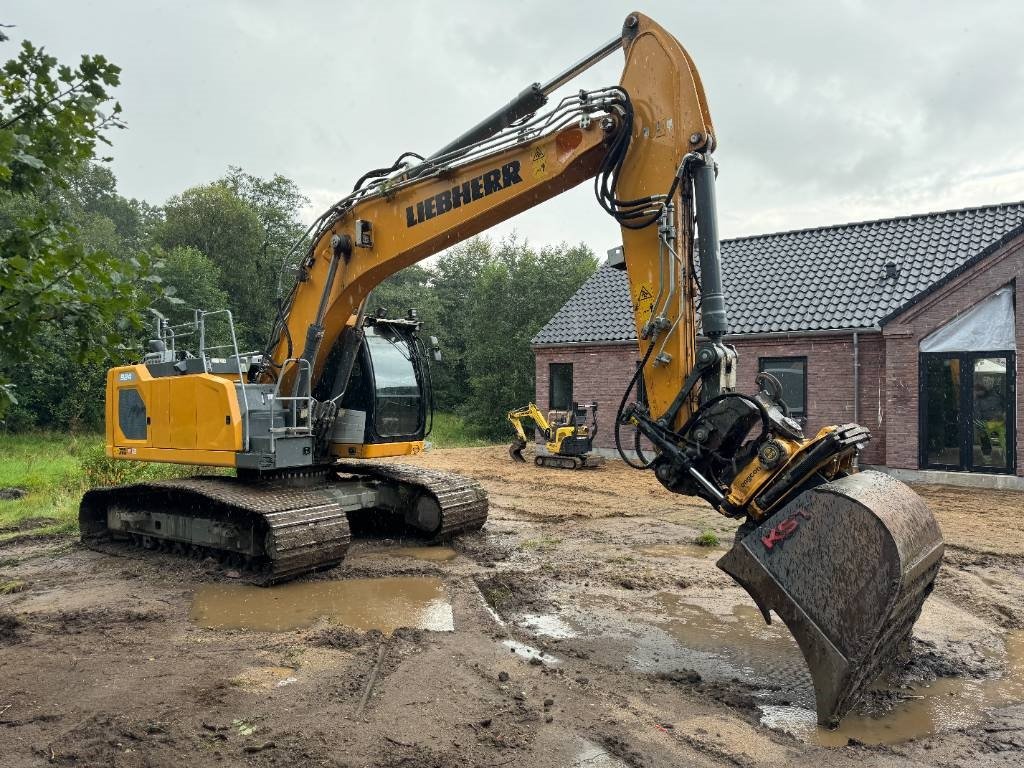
[(846, 559)]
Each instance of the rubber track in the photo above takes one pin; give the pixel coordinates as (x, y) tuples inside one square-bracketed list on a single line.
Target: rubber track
[(306, 530), (569, 462), (462, 500)]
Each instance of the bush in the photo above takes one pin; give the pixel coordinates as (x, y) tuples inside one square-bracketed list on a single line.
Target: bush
[(706, 539), (98, 469)]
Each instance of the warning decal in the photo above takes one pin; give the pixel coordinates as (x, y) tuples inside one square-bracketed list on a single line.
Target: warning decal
[(644, 303), (540, 166)]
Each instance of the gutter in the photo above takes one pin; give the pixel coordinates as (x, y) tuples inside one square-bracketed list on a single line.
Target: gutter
[(855, 332), (856, 378)]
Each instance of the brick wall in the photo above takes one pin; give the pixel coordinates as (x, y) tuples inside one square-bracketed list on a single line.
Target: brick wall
[(904, 333), (601, 373), (829, 380)]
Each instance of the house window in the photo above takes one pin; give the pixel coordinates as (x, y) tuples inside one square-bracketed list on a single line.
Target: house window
[(559, 386), (792, 374)]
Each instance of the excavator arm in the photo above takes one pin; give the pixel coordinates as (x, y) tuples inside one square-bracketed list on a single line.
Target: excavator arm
[(658, 116), (515, 418)]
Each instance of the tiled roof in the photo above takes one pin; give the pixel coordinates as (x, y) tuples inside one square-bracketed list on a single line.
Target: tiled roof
[(810, 279)]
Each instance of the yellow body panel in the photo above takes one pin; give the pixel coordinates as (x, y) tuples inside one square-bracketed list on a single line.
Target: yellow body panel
[(376, 450), (191, 419), (174, 455)]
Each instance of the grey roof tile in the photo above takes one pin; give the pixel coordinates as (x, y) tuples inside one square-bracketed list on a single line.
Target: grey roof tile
[(811, 279)]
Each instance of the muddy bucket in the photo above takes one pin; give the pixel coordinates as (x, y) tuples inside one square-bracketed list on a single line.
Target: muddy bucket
[(847, 566), (516, 450)]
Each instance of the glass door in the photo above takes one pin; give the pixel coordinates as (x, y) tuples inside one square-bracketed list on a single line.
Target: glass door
[(992, 430), (967, 411), (940, 423)]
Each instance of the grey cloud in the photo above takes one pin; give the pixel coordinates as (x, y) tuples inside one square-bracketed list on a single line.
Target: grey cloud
[(825, 111)]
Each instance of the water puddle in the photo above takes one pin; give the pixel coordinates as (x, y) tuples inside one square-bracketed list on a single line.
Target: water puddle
[(721, 641), (721, 646), (528, 652), (694, 551), (547, 625), (431, 554), (590, 755), (941, 705), (383, 604)]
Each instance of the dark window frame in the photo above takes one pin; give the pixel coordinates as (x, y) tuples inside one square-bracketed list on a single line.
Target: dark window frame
[(967, 360), (551, 386), (802, 359)]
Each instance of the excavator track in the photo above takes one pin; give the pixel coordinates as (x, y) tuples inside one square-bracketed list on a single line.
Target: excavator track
[(552, 461), (272, 530), (461, 501)]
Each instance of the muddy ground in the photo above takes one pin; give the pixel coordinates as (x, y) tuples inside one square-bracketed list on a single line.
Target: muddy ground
[(581, 627)]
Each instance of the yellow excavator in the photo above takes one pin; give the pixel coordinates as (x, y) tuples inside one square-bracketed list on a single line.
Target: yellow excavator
[(568, 438), (845, 558)]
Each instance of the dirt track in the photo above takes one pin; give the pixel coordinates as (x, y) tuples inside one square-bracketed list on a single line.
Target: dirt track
[(651, 656)]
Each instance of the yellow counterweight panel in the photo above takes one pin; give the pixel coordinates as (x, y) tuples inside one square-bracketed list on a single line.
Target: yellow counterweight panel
[(192, 419)]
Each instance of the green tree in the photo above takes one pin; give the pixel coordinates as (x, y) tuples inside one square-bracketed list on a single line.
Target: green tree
[(454, 275), (51, 278), (514, 294), (213, 220), (197, 280)]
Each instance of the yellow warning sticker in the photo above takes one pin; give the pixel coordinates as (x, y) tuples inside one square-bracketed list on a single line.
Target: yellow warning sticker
[(540, 165), (644, 303)]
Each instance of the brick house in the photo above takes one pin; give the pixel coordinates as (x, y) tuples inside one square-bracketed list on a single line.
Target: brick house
[(906, 325)]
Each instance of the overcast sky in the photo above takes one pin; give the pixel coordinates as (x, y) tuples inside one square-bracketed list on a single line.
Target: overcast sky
[(826, 112)]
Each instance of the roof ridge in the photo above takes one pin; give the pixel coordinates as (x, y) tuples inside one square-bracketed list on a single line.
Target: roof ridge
[(908, 217)]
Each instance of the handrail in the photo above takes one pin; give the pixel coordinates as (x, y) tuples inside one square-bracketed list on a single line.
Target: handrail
[(203, 349)]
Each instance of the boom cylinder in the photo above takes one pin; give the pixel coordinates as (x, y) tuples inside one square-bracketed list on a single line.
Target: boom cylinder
[(714, 321)]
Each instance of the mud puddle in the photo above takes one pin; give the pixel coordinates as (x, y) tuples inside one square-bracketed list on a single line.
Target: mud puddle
[(735, 642), (363, 604), (930, 708), (430, 554), (680, 550)]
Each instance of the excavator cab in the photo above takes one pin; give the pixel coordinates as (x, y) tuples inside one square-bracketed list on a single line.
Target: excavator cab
[(388, 398)]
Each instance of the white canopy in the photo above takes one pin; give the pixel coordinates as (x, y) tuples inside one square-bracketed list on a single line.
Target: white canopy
[(988, 326)]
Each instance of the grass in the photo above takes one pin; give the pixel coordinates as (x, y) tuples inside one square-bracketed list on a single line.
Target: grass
[(543, 544), (56, 469), (10, 586), (49, 467), (706, 538), (451, 431)]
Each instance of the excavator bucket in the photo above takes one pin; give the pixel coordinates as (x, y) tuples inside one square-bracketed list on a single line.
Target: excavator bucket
[(847, 566), (516, 450)]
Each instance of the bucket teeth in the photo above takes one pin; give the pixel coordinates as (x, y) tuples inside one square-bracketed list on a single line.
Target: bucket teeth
[(847, 566)]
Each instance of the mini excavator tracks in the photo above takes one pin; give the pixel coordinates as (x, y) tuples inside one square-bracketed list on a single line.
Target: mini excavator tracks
[(273, 530)]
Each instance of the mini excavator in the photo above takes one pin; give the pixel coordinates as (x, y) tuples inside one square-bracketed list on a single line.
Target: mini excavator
[(568, 438), (845, 558)]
